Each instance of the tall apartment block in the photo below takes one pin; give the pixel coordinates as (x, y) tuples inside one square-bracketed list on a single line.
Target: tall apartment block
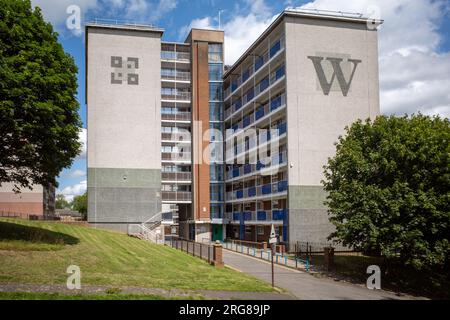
[(234, 149)]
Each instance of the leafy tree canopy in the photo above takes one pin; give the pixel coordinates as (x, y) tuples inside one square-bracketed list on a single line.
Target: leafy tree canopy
[(389, 188), (61, 202), (79, 204), (39, 121)]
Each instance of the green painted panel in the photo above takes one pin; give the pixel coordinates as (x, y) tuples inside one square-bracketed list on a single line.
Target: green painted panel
[(124, 178), (306, 197)]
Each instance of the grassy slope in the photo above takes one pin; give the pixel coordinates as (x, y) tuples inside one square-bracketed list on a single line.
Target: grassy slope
[(113, 259), (56, 296)]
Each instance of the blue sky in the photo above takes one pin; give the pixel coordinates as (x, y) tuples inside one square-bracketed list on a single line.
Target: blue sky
[(414, 44)]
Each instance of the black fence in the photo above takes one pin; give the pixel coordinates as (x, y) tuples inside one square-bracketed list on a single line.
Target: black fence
[(204, 251), (302, 249)]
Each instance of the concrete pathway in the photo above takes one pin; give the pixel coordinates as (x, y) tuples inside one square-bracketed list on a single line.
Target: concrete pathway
[(305, 286)]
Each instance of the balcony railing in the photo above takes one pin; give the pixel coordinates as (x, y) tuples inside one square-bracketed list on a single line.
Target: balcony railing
[(176, 156), (176, 137), (176, 176), (254, 142), (257, 216), (260, 61), (254, 92), (183, 96), (257, 191), (175, 75), (176, 196), (260, 112), (172, 55), (248, 169), (178, 116)]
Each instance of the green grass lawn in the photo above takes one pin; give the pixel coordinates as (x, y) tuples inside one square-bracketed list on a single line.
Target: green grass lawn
[(58, 296), (34, 252)]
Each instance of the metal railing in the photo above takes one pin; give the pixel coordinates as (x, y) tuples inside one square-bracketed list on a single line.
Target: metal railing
[(280, 257), (260, 112), (176, 196), (256, 191), (180, 116), (259, 63), (256, 216), (203, 251), (176, 176), (254, 92), (184, 96), (176, 137), (252, 168), (117, 22), (176, 156), (172, 74), (175, 56)]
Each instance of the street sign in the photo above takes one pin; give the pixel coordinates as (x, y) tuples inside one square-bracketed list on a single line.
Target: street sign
[(272, 232), (273, 241), (273, 236)]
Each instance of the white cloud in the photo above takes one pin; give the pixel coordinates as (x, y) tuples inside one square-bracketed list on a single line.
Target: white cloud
[(75, 190), (77, 173), (414, 76), (141, 11), (82, 136), (56, 12), (241, 31)]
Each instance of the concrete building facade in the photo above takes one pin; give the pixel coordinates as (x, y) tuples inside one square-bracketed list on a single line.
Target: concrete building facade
[(234, 149), (37, 201)]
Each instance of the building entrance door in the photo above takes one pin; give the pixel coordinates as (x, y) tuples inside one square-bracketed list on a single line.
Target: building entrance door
[(217, 232)]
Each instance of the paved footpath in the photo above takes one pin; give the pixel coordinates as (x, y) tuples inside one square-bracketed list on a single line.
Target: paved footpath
[(305, 286)]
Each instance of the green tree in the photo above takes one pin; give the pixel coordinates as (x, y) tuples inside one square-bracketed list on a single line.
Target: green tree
[(39, 121), (79, 204), (61, 202), (389, 189)]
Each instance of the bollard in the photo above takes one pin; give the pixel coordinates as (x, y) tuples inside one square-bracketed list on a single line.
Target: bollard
[(217, 255)]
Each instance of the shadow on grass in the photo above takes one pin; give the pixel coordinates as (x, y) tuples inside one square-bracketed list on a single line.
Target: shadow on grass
[(13, 231)]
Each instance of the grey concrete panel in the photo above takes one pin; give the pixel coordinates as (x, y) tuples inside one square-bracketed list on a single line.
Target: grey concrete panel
[(123, 195), (307, 197), (308, 216), (124, 178)]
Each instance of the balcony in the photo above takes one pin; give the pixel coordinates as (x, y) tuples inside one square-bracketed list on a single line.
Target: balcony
[(258, 191), (176, 196), (176, 56), (176, 156), (176, 137), (252, 169), (178, 116), (259, 63), (254, 143), (176, 96), (252, 93), (260, 112), (175, 75), (276, 216), (176, 176)]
